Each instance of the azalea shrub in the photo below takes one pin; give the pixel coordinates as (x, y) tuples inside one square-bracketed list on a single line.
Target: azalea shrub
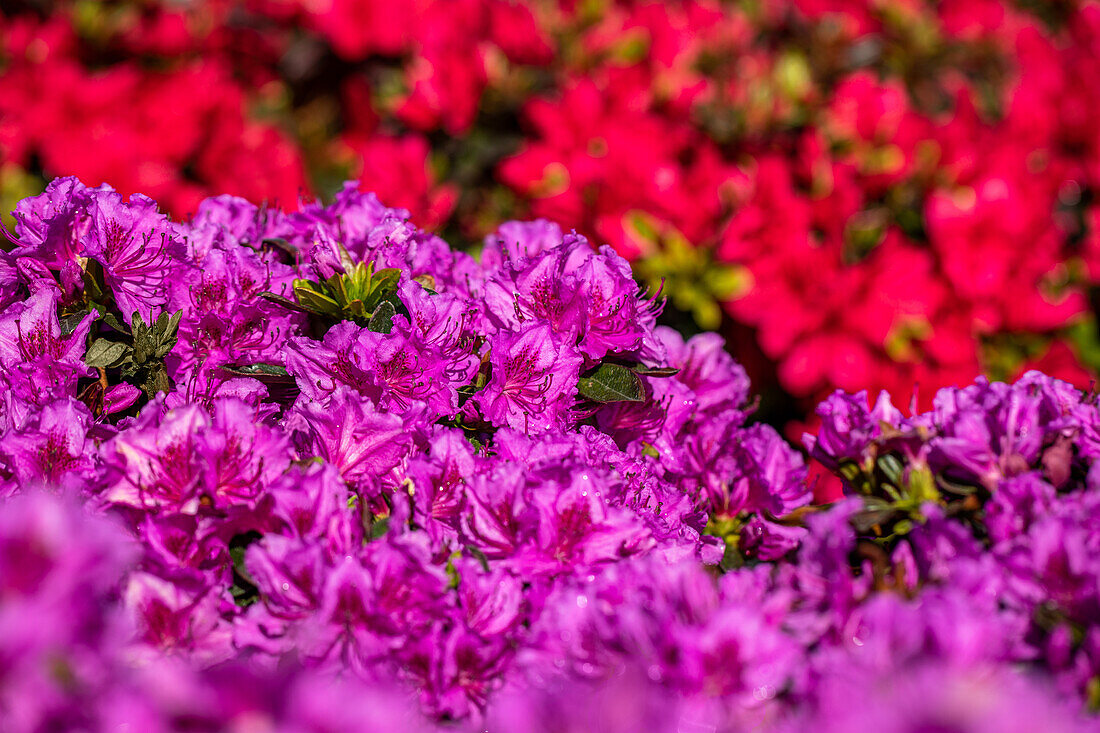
[(320, 471), (860, 194)]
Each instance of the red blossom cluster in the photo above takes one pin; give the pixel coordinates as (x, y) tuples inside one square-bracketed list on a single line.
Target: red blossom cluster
[(869, 193), (179, 130)]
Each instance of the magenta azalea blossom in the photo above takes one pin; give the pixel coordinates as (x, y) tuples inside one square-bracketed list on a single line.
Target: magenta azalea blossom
[(533, 382), (341, 477)]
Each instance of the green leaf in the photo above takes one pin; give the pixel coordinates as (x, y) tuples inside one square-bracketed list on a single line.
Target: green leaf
[(479, 556), (381, 321), (95, 287), (243, 590), (157, 381), (874, 514), (337, 285), (270, 374), (314, 301), (386, 280), (104, 354), (288, 303), (173, 326), (144, 343), (251, 370), (345, 259), (280, 244), (656, 372), (115, 322), (453, 578), (164, 333), (383, 284), (70, 322), (611, 383), (379, 527), (357, 280)]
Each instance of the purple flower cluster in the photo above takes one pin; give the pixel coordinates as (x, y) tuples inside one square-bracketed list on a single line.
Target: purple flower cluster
[(983, 514), (320, 472)]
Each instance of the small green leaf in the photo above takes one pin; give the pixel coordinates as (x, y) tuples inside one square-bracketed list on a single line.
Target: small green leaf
[(345, 259), (864, 520), (656, 372), (270, 374), (95, 288), (173, 324), (144, 345), (381, 321), (115, 322), (337, 285), (611, 383), (157, 381), (103, 354), (358, 279), (426, 281), (383, 284), (164, 333), (314, 301), (288, 303), (479, 556), (453, 578), (1093, 693), (243, 590), (70, 322), (251, 370), (386, 279), (280, 244), (379, 527), (892, 468)]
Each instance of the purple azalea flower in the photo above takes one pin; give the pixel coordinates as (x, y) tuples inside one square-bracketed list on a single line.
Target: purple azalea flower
[(716, 381), (365, 445), (930, 697), (48, 228), (225, 222), (515, 242), (186, 458), (616, 319), (40, 363), (59, 574), (54, 452), (545, 291), (534, 380), (989, 430), (228, 322), (670, 620), (171, 618), (439, 480), (847, 430), (137, 249)]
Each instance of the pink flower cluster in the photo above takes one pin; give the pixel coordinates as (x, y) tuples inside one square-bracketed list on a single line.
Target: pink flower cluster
[(317, 471)]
